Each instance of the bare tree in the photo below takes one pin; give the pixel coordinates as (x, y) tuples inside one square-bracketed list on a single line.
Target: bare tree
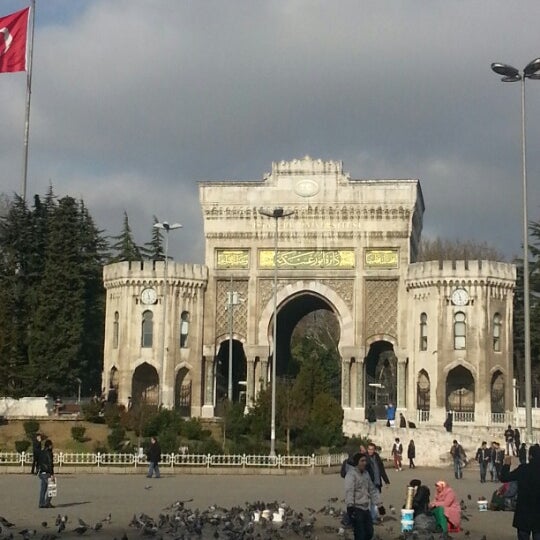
[(454, 250)]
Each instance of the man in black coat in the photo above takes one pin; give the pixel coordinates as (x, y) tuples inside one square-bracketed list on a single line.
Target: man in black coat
[(46, 471), (526, 515), (377, 473), (154, 457), (36, 450)]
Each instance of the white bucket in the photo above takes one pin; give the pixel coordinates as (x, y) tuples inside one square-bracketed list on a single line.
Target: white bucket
[(276, 517), (256, 516), (407, 525), (407, 514), (281, 511), (266, 514), (482, 505)]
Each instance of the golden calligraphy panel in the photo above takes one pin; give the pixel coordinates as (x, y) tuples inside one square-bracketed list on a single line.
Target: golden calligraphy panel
[(379, 258), (232, 258), (303, 258)]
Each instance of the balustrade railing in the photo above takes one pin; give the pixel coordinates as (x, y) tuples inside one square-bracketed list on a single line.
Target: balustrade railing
[(81, 459)]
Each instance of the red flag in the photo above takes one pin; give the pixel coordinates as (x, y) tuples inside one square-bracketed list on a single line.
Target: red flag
[(13, 30)]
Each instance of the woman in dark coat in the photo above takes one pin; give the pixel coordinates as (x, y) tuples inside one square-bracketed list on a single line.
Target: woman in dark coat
[(411, 454), (526, 516)]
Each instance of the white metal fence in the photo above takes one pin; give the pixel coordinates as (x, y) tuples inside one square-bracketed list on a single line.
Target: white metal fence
[(78, 459)]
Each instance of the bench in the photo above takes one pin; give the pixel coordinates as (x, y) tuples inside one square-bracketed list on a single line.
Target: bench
[(69, 409)]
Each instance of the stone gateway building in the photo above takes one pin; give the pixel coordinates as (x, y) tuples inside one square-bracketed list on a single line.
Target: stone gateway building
[(429, 337)]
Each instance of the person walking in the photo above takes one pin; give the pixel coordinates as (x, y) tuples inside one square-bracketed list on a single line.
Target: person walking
[(154, 457), (459, 457), (377, 473), (526, 516), (360, 494), (411, 454), (491, 463), (397, 453), (509, 440), (522, 453), (45, 472), (36, 450), (517, 439), (499, 460), (482, 456)]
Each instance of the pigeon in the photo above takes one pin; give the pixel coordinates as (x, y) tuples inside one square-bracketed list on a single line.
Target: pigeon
[(82, 523), (98, 526), (107, 518), (469, 496), (80, 530), (44, 524), (147, 487), (5, 522)]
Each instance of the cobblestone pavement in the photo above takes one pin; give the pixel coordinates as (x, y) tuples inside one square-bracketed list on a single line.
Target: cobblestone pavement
[(92, 496)]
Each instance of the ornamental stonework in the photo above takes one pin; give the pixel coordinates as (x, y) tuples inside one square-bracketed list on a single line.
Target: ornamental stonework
[(240, 310), (381, 306)]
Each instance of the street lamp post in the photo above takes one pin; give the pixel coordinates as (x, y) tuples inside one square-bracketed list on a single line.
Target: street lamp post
[(276, 214), (511, 74), (232, 300), (166, 227)]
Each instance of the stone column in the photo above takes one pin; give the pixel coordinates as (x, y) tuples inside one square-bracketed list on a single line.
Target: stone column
[(360, 393), (345, 382), (401, 384), (264, 371), (208, 370), (250, 382)]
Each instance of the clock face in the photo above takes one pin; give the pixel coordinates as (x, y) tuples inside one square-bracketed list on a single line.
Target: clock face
[(148, 296), (460, 297)]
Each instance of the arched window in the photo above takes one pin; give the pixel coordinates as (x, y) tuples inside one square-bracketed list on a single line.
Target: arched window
[(460, 331), (184, 329), (423, 332), (116, 326), (147, 329), (497, 324)]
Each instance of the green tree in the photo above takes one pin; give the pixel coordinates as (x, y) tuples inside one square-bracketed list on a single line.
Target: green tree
[(124, 246), (16, 288), (154, 250)]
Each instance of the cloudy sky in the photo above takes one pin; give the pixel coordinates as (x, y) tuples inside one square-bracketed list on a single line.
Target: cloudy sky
[(134, 101)]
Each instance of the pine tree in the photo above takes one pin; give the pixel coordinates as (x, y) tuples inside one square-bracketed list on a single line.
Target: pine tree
[(125, 248), (59, 321), (153, 250), (15, 291)]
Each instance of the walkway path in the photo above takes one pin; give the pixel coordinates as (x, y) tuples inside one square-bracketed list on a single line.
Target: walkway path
[(92, 496)]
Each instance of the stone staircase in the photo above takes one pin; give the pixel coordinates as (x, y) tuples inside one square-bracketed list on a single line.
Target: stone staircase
[(433, 443)]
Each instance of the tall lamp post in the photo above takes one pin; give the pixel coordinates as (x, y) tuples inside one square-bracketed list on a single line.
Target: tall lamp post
[(276, 214), (511, 74), (166, 227), (232, 300)]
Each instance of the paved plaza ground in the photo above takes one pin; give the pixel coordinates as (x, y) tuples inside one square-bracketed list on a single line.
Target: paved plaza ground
[(92, 496)]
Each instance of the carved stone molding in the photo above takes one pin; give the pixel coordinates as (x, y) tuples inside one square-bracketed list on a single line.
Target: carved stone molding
[(381, 306), (240, 310)]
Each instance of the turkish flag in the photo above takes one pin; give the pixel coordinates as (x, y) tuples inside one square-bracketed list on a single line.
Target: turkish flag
[(13, 31)]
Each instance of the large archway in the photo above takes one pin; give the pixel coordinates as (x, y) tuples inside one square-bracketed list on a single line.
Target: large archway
[(301, 321), (145, 385), (460, 390), (239, 371), (182, 392), (497, 392), (381, 376)]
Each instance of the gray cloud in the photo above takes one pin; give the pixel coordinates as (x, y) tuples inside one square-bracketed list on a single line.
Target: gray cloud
[(134, 101)]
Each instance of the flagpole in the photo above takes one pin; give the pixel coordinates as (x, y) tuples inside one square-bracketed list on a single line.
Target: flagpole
[(28, 96)]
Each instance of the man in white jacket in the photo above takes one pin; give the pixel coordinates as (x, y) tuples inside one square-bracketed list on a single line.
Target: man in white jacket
[(360, 494)]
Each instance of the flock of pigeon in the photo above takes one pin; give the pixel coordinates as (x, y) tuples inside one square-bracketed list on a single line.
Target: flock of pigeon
[(252, 521)]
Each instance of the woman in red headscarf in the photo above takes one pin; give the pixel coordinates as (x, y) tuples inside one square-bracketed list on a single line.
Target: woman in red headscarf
[(446, 500)]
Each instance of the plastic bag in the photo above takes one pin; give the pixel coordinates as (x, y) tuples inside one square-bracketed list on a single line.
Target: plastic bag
[(52, 487)]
